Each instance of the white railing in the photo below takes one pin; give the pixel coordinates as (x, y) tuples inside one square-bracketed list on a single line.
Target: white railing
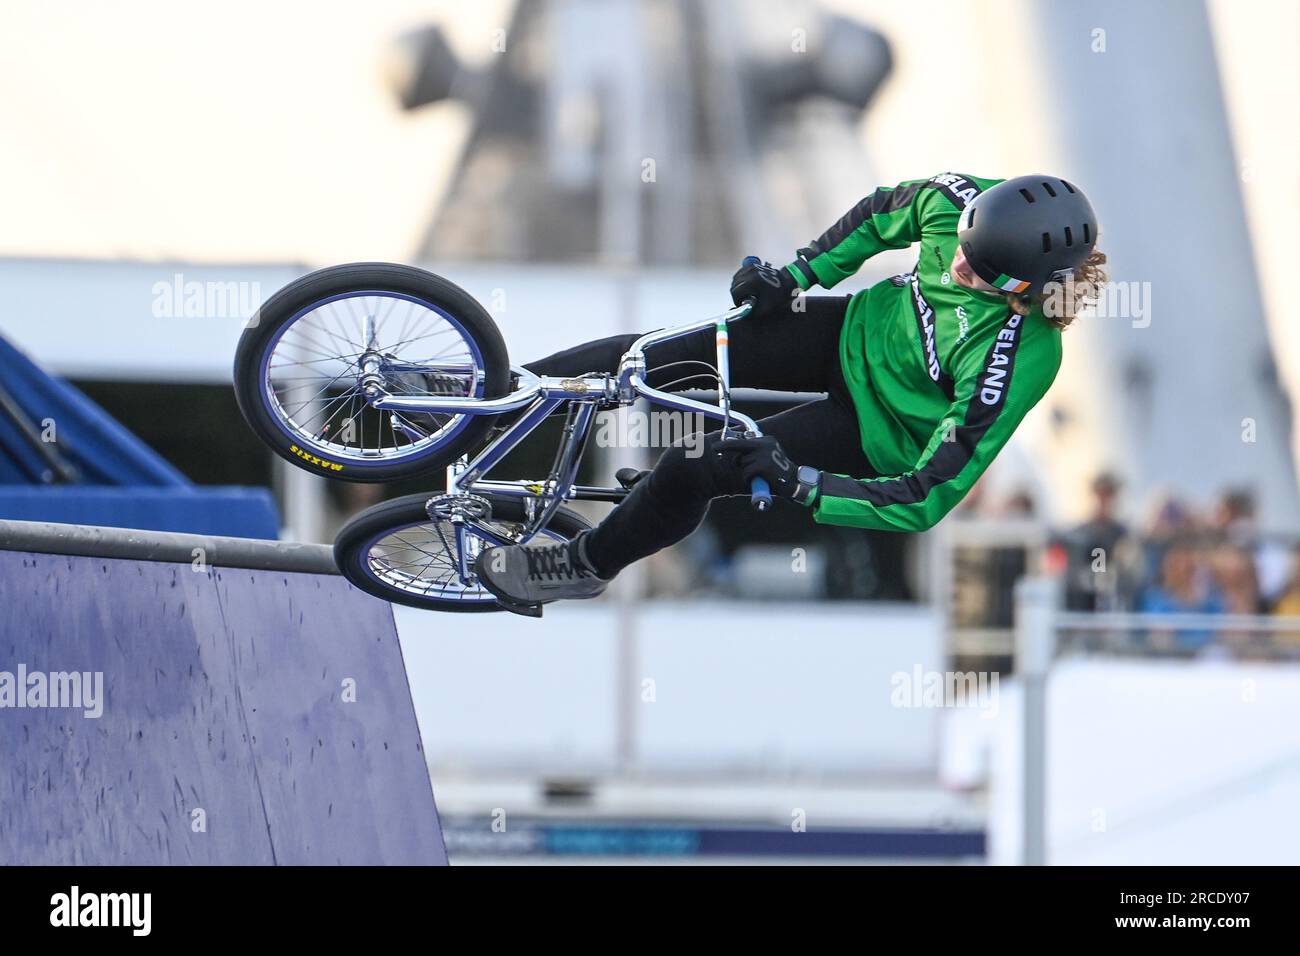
[(1039, 626)]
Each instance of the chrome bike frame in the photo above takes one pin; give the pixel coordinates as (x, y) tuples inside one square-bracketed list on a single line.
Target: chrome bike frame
[(539, 396)]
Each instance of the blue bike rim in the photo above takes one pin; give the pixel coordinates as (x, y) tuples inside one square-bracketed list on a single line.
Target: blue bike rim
[(330, 453)]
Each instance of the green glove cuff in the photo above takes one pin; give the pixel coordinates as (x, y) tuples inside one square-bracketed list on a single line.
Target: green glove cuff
[(802, 280)]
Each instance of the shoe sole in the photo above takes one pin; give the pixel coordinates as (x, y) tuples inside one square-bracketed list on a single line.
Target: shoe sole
[(505, 600)]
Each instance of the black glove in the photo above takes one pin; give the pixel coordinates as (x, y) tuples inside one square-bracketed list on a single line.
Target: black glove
[(761, 458), (771, 288)]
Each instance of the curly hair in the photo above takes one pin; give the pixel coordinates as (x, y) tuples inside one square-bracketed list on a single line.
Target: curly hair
[(1062, 302)]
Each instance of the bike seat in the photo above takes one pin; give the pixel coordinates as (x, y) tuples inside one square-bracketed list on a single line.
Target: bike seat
[(627, 477)]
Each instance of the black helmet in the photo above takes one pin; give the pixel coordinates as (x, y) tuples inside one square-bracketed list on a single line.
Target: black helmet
[(1025, 232)]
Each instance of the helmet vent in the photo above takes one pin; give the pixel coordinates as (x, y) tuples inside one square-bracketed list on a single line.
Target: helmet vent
[(1067, 186), (1029, 197), (1047, 242), (1047, 187), (1087, 237), (1069, 238)]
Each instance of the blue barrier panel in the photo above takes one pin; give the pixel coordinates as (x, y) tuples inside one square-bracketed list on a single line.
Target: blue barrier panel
[(470, 837), (244, 716), (193, 509)]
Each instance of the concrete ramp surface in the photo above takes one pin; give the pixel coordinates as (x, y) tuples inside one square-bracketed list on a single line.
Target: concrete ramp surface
[(250, 715)]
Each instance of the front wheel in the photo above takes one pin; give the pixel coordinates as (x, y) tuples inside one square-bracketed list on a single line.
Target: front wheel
[(308, 357), (395, 551)]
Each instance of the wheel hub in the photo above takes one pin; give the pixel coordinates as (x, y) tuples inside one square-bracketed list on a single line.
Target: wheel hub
[(371, 379)]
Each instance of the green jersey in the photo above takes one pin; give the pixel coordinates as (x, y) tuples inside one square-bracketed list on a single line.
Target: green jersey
[(940, 375)]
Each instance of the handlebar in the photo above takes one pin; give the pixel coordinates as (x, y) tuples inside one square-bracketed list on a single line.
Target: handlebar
[(760, 492)]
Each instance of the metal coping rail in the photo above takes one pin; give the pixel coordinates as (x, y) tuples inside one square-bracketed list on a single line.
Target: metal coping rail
[(45, 537)]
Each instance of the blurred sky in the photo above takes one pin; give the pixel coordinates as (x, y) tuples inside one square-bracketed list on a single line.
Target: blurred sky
[(253, 131), (239, 131)]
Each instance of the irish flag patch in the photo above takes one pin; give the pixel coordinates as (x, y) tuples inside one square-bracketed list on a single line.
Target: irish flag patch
[(1008, 284)]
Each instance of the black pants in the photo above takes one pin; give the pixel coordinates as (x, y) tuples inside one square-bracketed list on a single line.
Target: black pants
[(797, 353)]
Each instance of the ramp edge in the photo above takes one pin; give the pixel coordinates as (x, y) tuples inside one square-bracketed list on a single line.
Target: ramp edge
[(47, 537)]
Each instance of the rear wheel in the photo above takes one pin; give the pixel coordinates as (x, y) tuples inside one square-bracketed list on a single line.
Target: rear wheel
[(395, 551), (300, 365)]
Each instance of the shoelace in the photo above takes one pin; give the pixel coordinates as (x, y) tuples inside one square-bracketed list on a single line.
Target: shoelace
[(554, 561)]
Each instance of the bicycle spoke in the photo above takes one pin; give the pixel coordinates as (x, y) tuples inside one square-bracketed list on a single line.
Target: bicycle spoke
[(421, 559), (337, 338), (329, 412), (420, 338), (321, 390), (325, 356)]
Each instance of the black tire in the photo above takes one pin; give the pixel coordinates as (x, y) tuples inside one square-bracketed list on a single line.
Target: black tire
[(353, 542), (299, 295)]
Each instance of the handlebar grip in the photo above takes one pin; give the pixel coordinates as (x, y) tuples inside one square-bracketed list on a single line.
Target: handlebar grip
[(760, 492), (751, 261)]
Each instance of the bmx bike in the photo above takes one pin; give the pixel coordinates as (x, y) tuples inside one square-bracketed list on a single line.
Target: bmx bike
[(376, 372)]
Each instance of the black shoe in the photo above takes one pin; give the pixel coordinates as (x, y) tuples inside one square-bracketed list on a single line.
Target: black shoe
[(533, 574)]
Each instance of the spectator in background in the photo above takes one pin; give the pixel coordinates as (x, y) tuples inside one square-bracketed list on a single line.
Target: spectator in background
[(1234, 516), (1185, 586), (1095, 565), (1234, 523), (1020, 505), (1235, 577), (1170, 520), (1007, 565), (1288, 602)]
